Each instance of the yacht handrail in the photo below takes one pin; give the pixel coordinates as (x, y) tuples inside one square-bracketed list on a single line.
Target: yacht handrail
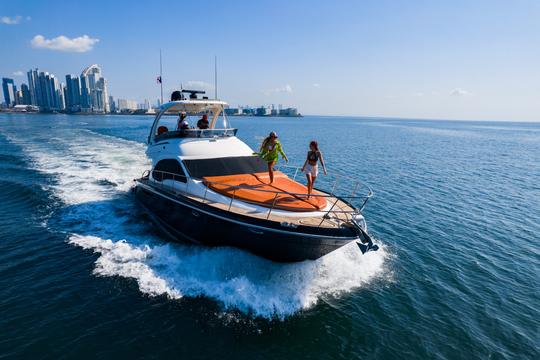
[(196, 133), (348, 198), (357, 183)]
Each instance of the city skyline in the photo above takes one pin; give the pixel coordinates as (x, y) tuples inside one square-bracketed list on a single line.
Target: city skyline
[(86, 93), (456, 60)]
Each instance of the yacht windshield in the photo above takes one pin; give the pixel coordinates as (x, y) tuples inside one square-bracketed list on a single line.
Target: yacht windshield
[(193, 125), (225, 166)]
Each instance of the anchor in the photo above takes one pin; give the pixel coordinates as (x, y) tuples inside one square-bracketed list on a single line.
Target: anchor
[(367, 243)]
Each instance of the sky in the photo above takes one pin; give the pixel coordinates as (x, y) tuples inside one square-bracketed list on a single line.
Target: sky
[(470, 60)]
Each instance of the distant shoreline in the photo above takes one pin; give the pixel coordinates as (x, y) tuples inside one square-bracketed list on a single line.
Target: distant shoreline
[(133, 113), (363, 117)]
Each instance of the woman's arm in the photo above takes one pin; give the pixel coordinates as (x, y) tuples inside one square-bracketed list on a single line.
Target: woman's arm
[(322, 163), (304, 166), (280, 149)]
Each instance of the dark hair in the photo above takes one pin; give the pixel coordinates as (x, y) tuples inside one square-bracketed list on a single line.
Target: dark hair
[(314, 144), (267, 139)]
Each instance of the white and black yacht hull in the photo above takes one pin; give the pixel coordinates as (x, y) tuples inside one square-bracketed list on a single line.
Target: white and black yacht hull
[(184, 219)]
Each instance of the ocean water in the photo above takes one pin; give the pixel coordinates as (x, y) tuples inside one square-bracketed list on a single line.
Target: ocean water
[(456, 212)]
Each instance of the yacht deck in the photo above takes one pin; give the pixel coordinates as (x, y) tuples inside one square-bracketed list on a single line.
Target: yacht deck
[(334, 218)]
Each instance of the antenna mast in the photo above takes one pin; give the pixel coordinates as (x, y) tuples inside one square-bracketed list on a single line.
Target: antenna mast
[(161, 76), (215, 77)]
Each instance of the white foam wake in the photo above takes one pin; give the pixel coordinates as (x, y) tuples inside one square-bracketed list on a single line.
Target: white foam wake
[(236, 279), (93, 173)]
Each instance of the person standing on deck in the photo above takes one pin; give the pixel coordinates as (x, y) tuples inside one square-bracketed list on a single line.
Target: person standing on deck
[(270, 150), (310, 165)]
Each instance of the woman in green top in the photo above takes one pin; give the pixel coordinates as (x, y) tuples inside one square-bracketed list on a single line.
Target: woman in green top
[(270, 149)]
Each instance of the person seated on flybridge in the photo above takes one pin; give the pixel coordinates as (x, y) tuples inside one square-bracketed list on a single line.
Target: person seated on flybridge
[(182, 122), (203, 122)]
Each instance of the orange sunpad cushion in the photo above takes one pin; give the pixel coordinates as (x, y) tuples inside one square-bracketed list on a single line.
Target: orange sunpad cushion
[(252, 184)]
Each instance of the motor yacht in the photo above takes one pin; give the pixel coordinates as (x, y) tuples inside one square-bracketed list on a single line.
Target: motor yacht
[(208, 187)]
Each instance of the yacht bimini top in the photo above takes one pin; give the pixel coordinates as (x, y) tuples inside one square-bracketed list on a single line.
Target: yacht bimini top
[(192, 106)]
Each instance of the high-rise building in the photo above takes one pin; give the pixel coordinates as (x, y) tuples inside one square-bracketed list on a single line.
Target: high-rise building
[(86, 103), (47, 94), (60, 98), (73, 93), (44, 85), (112, 104), (18, 97), (35, 97), (87, 93), (10, 92), (45, 91), (25, 95), (94, 95)]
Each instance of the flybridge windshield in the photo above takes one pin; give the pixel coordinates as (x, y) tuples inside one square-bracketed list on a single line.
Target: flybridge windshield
[(225, 166), (194, 133), (172, 122)]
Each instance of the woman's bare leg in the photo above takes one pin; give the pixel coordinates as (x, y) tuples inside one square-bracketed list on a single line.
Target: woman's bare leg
[(271, 171), (308, 177), (312, 183)]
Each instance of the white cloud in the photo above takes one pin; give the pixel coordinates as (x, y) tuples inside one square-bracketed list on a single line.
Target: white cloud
[(18, 73), (10, 20), (13, 20), (62, 43), (460, 92), (317, 85), (283, 89), (198, 85)]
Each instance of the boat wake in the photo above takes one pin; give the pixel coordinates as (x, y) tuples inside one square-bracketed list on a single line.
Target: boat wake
[(92, 174)]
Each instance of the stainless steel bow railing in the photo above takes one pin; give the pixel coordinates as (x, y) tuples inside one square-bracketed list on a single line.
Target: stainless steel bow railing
[(159, 176)]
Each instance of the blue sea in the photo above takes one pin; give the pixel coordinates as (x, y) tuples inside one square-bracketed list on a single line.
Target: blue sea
[(456, 212)]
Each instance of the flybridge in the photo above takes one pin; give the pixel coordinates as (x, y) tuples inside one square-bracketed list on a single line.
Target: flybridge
[(213, 109)]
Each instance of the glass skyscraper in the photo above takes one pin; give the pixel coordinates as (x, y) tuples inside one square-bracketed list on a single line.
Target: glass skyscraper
[(87, 93), (73, 93), (45, 91), (10, 92), (94, 95), (25, 95)]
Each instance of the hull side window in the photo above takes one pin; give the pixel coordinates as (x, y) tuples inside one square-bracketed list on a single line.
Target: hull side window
[(169, 169)]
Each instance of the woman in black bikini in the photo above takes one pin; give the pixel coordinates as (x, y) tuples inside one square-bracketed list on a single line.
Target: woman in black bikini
[(310, 165)]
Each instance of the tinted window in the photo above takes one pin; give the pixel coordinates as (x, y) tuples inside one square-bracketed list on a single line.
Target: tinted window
[(169, 167), (225, 166)]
